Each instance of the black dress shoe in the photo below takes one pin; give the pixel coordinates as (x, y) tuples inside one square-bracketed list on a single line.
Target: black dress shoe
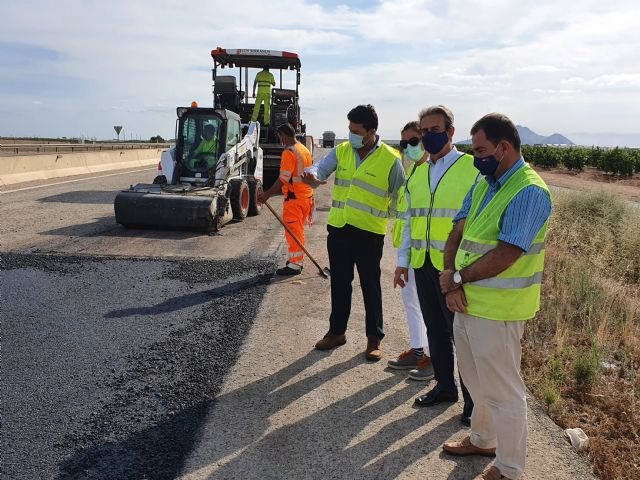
[(435, 397), (466, 421)]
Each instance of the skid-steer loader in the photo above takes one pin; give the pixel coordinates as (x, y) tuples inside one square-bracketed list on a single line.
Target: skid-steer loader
[(212, 175)]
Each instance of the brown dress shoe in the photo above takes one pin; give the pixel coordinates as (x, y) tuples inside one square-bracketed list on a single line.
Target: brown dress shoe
[(465, 447), (373, 351), (491, 473), (330, 341)]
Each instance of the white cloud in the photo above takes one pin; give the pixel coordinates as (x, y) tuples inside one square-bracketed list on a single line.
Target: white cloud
[(552, 65)]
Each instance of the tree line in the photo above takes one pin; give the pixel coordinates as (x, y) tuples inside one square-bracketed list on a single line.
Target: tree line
[(616, 161)]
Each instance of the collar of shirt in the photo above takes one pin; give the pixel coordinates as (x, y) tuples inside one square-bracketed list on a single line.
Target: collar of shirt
[(447, 160), (441, 166), (506, 175)]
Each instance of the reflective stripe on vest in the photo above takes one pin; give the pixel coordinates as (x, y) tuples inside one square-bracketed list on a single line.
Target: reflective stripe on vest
[(432, 213), (514, 294), (510, 283), (418, 244), (360, 196), (403, 205), (370, 188), (366, 208), (481, 248), (293, 181)]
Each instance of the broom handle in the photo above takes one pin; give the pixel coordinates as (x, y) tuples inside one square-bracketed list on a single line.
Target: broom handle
[(286, 227)]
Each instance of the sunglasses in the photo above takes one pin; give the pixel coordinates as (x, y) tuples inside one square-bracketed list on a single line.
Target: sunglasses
[(412, 141)]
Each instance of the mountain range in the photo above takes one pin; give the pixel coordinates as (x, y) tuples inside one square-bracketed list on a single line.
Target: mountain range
[(529, 137)]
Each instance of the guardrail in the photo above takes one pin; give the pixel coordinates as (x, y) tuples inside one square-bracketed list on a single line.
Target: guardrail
[(35, 166), (26, 149)]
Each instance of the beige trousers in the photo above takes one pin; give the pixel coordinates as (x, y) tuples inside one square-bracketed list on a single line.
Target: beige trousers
[(489, 354)]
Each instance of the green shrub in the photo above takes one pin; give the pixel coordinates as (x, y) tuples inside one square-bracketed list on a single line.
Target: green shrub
[(635, 154), (550, 395), (594, 157), (555, 370), (574, 159), (586, 367), (546, 157), (465, 147), (618, 161)]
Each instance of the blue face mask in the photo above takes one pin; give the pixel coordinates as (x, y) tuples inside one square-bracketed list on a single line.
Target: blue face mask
[(433, 142), (414, 153), (487, 165), (356, 141)]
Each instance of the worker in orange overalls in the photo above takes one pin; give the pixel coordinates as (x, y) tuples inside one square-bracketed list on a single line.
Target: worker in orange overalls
[(298, 203)]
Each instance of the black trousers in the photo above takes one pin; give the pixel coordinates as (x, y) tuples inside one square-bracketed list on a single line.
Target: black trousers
[(349, 246), (439, 321)]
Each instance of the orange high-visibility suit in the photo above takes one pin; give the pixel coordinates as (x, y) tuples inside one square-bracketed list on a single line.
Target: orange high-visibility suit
[(298, 197)]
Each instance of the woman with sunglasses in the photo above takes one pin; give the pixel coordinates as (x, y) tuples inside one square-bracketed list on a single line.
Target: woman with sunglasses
[(416, 359)]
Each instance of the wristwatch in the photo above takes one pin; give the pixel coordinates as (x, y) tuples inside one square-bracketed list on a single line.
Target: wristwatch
[(457, 277)]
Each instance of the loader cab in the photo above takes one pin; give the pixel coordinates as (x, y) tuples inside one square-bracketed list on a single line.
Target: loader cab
[(202, 136)]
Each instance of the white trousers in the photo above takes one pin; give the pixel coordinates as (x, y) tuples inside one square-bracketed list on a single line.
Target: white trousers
[(489, 354), (415, 322)]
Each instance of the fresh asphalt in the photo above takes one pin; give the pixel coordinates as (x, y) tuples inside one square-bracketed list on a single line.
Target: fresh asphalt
[(115, 342), (110, 365)]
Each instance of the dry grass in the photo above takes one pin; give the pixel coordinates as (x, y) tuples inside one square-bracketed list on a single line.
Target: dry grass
[(582, 352)]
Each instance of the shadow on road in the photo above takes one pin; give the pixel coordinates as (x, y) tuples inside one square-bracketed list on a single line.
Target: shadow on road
[(95, 197), (107, 227), (157, 452), (323, 444), (192, 299), (231, 436)]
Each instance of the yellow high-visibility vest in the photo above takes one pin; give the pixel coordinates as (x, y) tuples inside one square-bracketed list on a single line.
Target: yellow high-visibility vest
[(360, 196), (432, 213), (417, 177), (515, 293)]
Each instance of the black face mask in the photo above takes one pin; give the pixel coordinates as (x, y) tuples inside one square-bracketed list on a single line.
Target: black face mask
[(487, 165), (433, 142)]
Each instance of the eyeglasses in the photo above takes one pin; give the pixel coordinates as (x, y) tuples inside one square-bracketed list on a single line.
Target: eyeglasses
[(412, 141)]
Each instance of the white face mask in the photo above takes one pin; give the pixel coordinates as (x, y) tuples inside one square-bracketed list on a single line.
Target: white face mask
[(414, 153), (356, 141)]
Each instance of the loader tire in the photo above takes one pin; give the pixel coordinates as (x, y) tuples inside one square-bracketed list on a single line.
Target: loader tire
[(239, 198), (255, 190), (252, 163), (160, 180)]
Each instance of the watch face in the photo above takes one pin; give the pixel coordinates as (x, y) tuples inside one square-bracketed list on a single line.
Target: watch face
[(457, 277)]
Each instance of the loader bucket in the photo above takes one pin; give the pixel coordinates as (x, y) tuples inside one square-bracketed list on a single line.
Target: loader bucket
[(136, 209)]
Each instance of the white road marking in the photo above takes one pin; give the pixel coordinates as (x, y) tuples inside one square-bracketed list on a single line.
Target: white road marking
[(77, 180)]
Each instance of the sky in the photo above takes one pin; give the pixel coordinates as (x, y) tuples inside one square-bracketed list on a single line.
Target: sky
[(76, 68)]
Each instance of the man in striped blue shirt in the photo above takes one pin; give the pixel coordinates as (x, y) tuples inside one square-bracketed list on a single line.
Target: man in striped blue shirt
[(493, 269), (524, 216)]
